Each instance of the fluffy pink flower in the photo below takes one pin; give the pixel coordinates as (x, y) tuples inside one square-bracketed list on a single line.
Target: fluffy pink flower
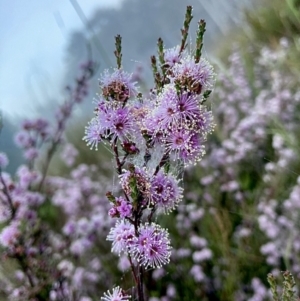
[(116, 295), (3, 160), (9, 235)]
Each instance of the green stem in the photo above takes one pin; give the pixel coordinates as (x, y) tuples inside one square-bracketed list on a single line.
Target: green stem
[(199, 40), (186, 26), (118, 51)]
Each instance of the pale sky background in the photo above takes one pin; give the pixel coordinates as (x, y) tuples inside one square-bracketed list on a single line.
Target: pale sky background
[(33, 39)]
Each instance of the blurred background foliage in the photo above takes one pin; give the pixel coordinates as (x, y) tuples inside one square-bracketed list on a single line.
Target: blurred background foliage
[(236, 260)]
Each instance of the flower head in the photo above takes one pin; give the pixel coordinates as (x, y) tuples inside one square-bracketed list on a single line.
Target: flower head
[(116, 295), (92, 134), (205, 122), (31, 153), (110, 123), (69, 154), (191, 76), (185, 145), (122, 236), (152, 246), (165, 192), (124, 208), (23, 139), (9, 235), (117, 85), (3, 160), (122, 124), (177, 109), (172, 56), (135, 179)]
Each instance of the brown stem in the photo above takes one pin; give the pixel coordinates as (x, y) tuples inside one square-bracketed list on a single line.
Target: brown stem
[(140, 283), (25, 269), (116, 152), (50, 154), (132, 269), (139, 279), (162, 162), (151, 214), (124, 159), (74, 98), (6, 192)]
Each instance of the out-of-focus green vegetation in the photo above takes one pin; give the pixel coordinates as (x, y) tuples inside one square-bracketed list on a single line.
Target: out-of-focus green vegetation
[(274, 20), (266, 25), (235, 261)]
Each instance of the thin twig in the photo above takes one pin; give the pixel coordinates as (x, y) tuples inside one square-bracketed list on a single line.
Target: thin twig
[(9, 199)]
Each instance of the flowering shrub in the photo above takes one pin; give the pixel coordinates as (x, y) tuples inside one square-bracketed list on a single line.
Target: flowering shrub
[(73, 237), (27, 238), (151, 137), (247, 189)]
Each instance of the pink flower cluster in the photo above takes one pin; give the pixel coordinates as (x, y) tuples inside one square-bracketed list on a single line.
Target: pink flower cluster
[(29, 203), (152, 138)]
